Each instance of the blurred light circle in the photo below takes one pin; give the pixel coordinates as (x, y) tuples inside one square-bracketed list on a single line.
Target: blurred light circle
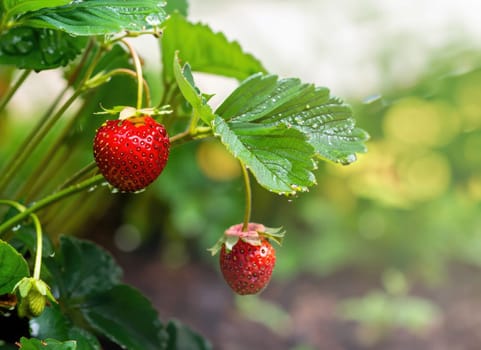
[(422, 123), (216, 162), (127, 238), (425, 177)]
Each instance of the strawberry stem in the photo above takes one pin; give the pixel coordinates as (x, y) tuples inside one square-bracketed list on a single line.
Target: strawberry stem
[(131, 73), (24, 152), (14, 89), (248, 193), (38, 253), (50, 199), (49, 119), (38, 230), (138, 69), (79, 174)]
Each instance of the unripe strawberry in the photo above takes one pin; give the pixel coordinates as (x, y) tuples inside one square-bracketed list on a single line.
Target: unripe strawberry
[(131, 153), (34, 296)]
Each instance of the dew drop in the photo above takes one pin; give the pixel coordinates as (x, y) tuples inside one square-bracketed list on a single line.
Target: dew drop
[(153, 19), (351, 158)]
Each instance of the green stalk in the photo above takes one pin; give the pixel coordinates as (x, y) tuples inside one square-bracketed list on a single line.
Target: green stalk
[(48, 114), (21, 149), (38, 229), (78, 175), (24, 153), (138, 70), (49, 156), (38, 253), (132, 74), (248, 204), (43, 177), (48, 200), (14, 89)]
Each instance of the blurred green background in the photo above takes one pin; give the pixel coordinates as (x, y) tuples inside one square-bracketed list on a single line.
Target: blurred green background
[(391, 227)]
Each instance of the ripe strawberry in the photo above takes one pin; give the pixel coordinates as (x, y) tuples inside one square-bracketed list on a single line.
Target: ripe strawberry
[(247, 268), (131, 153)]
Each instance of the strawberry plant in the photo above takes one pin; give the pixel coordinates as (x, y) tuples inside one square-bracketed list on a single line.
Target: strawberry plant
[(61, 292)]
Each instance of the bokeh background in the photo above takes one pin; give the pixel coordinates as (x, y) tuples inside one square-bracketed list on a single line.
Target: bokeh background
[(384, 253)]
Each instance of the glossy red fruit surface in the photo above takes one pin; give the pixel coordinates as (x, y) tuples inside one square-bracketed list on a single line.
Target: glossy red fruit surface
[(131, 153), (247, 268)]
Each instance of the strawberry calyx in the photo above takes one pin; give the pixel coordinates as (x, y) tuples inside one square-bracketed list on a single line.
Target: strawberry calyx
[(254, 235), (34, 295), (126, 112)]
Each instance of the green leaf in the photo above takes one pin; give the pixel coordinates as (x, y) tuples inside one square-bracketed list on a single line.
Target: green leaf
[(99, 17), (13, 268), (191, 93), (279, 157), (126, 317), (183, 338), (53, 323), (47, 344), (205, 50), (38, 49), (181, 6), (16, 7), (81, 268), (326, 121)]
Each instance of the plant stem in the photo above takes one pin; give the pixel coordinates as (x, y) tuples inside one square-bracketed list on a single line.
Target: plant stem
[(14, 89), (78, 175), (131, 73), (50, 158), (248, 204), (38, 253), (21, 149), (25, 152), (188, 135), (49, 119), (43, 177), (38, 229), (50, 199), (138, 69)]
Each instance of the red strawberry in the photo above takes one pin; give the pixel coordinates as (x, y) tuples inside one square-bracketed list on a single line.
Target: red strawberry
[(247, 268), (247, 258), (131, 153)]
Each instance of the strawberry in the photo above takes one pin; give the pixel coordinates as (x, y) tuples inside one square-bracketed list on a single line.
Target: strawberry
[(247, 258), (131, 153), (247, 268)]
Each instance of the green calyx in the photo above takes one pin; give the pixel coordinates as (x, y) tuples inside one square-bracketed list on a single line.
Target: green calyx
[(254, 234), (34, 294), (126, 112)]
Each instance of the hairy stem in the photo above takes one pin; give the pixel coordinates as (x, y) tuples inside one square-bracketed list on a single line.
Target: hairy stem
[(134, 75), (49, 200), (188, 135), (248, 198), (14, 89), (38, 230), (25, 152), (38, 252), (12, 166), (78, 175), (138, 69)]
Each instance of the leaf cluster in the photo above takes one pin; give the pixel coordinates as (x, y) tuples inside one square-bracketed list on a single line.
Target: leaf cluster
[(94, 306)]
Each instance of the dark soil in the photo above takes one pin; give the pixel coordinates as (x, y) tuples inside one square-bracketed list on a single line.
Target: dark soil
[(197, 295)]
